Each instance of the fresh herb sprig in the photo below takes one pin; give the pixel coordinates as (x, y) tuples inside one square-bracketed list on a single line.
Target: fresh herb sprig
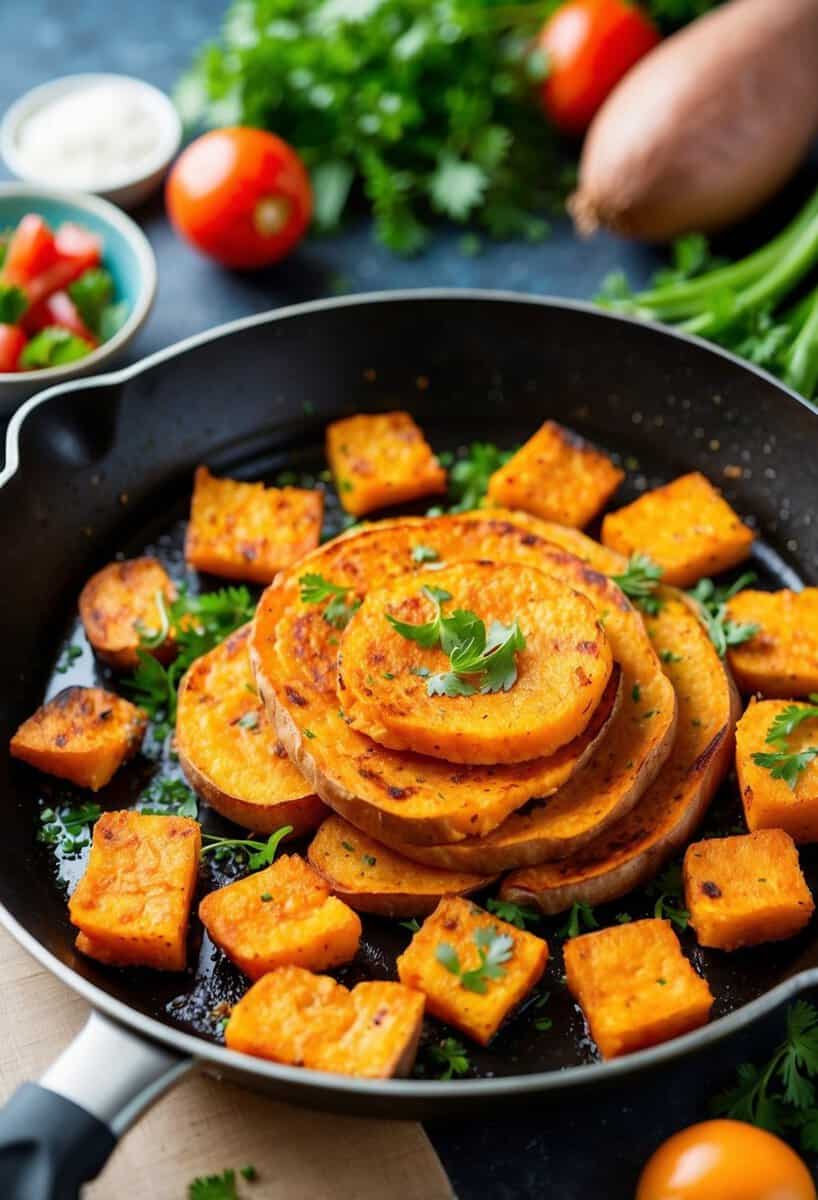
[(780, 1095), (639, 582), (315, 589), (68, 827), (449, 1058), (669, 891), (169, 797), (580, 917), (257, 854), (783, 763), (711, 602), (515, 914), (494, 949)]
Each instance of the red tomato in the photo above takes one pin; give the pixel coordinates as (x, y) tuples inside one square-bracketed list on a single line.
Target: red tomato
[(240, 195), (725, 1160), (58, 309), (589, 46), (31, 249), (76, 251), (12, 343)]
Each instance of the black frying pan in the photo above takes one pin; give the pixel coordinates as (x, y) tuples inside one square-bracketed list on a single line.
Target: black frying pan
[(104, 466)]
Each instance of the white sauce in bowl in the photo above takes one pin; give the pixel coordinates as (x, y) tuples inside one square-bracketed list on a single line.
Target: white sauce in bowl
[(92, 136)]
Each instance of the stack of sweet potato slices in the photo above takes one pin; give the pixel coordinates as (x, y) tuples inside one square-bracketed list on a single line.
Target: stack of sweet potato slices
[(587, 821)]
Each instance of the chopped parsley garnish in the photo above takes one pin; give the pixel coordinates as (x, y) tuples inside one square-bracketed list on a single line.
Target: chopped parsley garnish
[(413, 924), (515, 914), (67, 827), (493, 948), (669, 890), (68, 657), (711, 602), (780, 1094), (249, 720), (315, 589), (470, 472), (450, 1058), (639, 582), (424, 554), (481, 661), (169, 797), (214, 1187), (781, 762), (580, 917), (667, 656), (542, 1024), (258, 854), (636, 693), (368, 860)]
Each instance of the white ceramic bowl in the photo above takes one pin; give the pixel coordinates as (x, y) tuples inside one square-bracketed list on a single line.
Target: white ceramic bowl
[(128, 189), (126, 253)]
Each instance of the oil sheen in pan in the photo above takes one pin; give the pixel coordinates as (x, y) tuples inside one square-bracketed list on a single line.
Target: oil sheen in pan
[(198, 1001)]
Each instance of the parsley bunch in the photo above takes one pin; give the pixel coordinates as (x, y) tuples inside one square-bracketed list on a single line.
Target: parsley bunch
[(421, 109), (481, 660), (783, 763), (780, 1095)]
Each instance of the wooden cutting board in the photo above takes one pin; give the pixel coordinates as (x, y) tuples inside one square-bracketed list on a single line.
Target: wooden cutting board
[(204, 1126)]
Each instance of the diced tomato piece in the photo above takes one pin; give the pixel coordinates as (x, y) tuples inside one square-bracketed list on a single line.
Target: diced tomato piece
[(58, 309), (75, 242), (12, 344), (32, 249)]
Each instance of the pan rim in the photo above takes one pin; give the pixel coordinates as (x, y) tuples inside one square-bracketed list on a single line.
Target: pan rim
[(208, 1053)]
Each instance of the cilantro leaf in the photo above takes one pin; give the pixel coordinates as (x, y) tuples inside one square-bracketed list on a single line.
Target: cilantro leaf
[(450, 1057), (711, 602), (315, 589), (786, 766), (428, 634), (456, 187), (514, 914), (448, 957), (493, 949), (470, 474), (580, 917), (169, 797), (639, 582), (68, 827), (788, 720)]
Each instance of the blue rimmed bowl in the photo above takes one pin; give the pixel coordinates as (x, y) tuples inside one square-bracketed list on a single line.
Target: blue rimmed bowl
[(126, 253)]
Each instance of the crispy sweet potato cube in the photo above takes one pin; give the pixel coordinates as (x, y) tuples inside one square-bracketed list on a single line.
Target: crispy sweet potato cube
[(305, 1020), (782, 658), (686, 527), (635, 986), (118, 602), (458, 935), (83, 734), (379, 459), (132, 905), (771, 803), (558, 476), (249, 531), (281, 916), (744, 890)]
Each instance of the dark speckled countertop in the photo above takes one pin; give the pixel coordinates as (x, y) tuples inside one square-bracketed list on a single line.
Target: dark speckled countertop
[(590, 1151)]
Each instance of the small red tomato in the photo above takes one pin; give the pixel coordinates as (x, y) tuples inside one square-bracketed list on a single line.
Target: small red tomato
[(240, 195), (31, 249), (725, 1160), (12, 344), (589, 45), (58, 309)]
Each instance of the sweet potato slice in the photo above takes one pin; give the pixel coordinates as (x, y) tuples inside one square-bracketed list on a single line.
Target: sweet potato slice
[(635, 986), (782, 659), (379, 459), (556, 475), (741, 891), (370, 877), (686, 527), (632, 850), (561, 673), (83, 734), (229, 751), (444, 958), (396, 794), (305, 1020), (771, 803), (132, 905), (249, 531), (281, 916), (120, 602)]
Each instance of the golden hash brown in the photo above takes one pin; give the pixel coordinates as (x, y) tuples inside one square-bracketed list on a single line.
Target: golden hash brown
[(380, 459), (249, 531), (561, 674)]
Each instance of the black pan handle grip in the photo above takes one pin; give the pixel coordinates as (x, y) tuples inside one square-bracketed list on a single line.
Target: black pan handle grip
[(57, 1134)]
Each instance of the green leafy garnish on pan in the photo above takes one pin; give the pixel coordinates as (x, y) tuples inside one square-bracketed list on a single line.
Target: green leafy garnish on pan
[(315, 589), (781, 762), (711, 602), (494, 949), (450, 1058), (258, 854), (514, 914), (639, 582)]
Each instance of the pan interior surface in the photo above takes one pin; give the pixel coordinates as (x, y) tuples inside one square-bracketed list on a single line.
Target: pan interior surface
[(120, 485)]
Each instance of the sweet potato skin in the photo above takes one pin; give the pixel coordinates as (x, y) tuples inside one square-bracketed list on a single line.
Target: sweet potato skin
[(292, 1016), (455, 922), (370, 877), (249, 531), (82, 734), (228, 750), (686, 527), (562, 672), (632, 850), (634, 986), (132, 905), (782, 659), (119, 600), (558, 476), (397, 797), (281, 916), (380, 459), (771, 803), (741, 891)]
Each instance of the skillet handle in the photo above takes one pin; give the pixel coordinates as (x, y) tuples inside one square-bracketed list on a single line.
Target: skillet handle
[(57, 1134)]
